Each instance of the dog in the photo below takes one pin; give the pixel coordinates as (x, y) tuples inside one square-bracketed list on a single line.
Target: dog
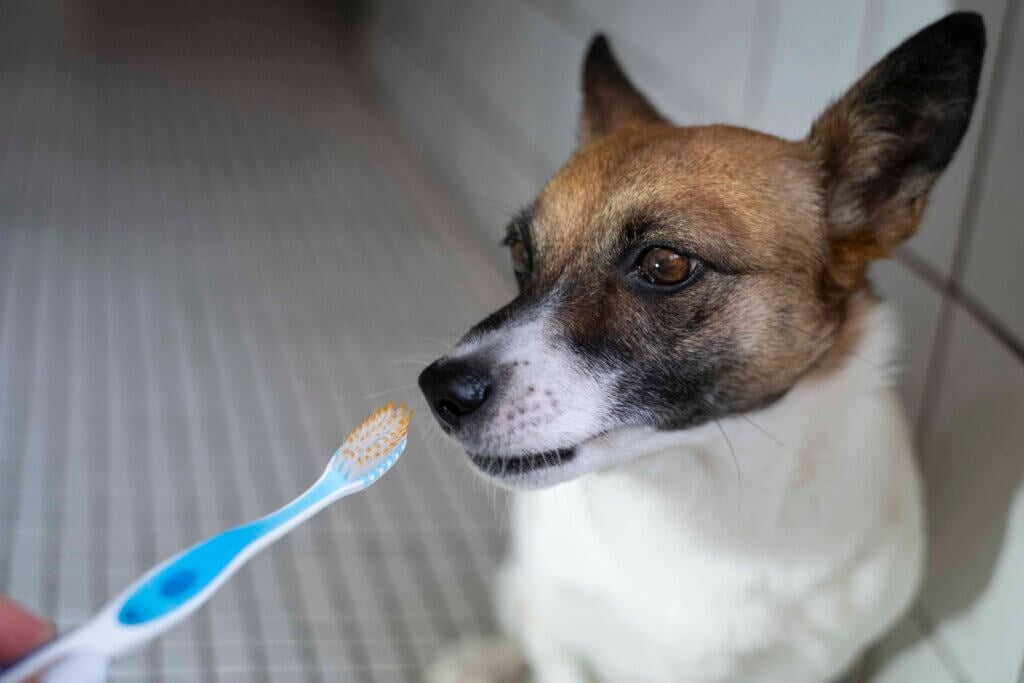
[(692, 392)]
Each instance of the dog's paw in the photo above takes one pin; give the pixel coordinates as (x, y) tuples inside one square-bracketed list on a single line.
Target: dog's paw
[(490, 660)]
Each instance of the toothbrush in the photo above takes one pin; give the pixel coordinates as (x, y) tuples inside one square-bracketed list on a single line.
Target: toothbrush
[(174, 589)]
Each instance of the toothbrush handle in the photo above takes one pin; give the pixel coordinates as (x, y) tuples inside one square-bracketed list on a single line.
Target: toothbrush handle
[(191, 572), (174, 589), (79, 668), (179, 586)]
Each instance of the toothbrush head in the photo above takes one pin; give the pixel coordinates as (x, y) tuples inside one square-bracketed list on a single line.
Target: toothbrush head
[(374, 446)]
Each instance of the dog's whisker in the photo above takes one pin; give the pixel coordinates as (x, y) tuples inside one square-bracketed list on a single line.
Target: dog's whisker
[(732, 451), (824, 337), (402, 387), (762, 430), (446, 345), (397, 361)]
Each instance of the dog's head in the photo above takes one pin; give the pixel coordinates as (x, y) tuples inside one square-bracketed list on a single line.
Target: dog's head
[(669, 276)]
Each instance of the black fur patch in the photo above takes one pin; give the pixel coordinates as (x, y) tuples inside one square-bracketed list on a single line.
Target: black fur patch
[(907, 116)]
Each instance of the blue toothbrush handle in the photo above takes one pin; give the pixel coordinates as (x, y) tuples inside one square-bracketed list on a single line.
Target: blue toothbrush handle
[(182, 578), (192, 571)]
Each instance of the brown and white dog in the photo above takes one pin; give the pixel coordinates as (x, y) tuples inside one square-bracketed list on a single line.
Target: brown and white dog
[(696, 359)]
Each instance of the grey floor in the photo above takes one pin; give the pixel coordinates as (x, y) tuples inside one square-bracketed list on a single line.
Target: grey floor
[(209, 271)]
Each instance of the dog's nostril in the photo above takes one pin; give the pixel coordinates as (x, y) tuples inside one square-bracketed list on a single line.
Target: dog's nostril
[(447, 408)]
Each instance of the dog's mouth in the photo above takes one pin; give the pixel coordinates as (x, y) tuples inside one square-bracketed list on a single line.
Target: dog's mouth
[(501, 467)]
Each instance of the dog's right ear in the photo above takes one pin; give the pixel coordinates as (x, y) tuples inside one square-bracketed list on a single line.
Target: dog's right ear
[(610, 101), (883, 144)]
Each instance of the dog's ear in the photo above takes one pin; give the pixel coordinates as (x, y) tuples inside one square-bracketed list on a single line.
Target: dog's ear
[(610, 101), (882, 145)]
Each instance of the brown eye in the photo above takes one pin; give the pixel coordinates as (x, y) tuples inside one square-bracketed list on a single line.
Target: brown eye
[(520, 256), (663, 266)]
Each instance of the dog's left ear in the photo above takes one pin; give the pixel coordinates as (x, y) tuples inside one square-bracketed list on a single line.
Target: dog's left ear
[(882, 145), (610, 101)]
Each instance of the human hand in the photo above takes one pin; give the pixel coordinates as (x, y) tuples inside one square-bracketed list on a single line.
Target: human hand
[(20, 631)]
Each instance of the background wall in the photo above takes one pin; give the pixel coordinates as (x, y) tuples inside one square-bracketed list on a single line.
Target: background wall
[(488, 93)]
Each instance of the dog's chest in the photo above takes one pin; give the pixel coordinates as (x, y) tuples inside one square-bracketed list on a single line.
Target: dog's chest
[(624, 560), (615, 565)]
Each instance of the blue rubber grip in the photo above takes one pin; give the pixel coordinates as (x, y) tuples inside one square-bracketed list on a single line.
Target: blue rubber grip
[(176, 583), (197, 567)]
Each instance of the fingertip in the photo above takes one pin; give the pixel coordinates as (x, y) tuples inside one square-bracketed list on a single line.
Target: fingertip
[(20, 630)]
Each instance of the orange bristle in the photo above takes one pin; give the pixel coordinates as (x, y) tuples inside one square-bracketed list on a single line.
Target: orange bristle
[(377, 436)]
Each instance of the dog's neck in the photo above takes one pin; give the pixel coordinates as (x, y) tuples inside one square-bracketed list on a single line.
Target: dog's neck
[(769, 477)]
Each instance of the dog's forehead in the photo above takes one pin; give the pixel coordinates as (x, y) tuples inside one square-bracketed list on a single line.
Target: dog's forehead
[(724, 187)]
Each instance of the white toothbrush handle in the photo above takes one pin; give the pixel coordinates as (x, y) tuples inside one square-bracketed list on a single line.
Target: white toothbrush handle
[(177, 587), (80, 668)]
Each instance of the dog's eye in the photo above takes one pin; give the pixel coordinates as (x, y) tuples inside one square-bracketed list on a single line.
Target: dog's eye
[(520, 255), (663, 266)]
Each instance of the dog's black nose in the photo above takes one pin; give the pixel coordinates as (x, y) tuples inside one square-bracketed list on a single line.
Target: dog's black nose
[(455, 389)]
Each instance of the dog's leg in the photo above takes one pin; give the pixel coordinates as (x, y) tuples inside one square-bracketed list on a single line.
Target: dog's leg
[(546, 656)]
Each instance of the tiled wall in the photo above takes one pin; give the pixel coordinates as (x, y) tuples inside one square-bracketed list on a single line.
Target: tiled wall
[(489, 94)]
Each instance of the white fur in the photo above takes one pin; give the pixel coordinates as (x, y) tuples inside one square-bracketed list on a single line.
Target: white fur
[(776, 554)]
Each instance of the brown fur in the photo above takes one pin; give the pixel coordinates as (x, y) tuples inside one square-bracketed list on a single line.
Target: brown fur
[(715, 190)]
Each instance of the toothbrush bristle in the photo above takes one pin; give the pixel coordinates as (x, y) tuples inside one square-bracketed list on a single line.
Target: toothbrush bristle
[(370, 448)]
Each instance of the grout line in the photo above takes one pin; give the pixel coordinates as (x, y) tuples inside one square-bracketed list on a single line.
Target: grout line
[(920, 615), (951, 289), (965, 299), (871, 25)]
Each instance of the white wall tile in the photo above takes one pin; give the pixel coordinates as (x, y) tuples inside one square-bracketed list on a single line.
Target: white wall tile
[(993, 270), (557, 85), (974, 474), (691, 56), (489, 186), (525, 58), (814, 61), (487, 56)]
